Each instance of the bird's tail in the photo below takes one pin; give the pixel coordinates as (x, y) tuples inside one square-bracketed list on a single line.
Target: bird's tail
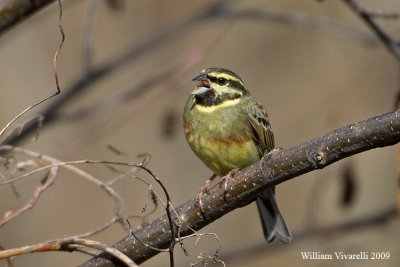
[(271, 219)]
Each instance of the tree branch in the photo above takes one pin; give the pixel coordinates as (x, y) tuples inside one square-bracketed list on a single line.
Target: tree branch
[(272, 169), (391, 44), (15, 11)]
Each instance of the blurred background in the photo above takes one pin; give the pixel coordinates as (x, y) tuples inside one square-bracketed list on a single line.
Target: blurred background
[(314, 65)]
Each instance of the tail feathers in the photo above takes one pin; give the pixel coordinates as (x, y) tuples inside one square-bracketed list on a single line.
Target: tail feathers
[(271, 219)]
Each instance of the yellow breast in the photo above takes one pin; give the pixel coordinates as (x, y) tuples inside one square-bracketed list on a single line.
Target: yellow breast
[(220, 136), (221, 157)]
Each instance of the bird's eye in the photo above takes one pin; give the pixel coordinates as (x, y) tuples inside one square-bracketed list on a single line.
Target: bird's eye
[(221, 81)]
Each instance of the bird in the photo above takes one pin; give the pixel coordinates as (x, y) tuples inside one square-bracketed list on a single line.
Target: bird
[(228, 130)]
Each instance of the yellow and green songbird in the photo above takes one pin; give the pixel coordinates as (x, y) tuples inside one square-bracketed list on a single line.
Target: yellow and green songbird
[(228, 130)]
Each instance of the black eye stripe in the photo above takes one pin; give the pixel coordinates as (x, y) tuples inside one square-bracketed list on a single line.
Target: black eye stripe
[(220, 81), (232, 83), (213, 79)]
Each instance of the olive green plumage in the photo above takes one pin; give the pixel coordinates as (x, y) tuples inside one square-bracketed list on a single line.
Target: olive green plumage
[(227, 129)]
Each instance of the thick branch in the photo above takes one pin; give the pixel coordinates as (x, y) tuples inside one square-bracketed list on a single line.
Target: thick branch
[(273, 169), (13, 11)]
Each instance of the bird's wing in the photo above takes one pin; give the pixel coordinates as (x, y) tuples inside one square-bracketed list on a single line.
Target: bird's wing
[(260, 127)]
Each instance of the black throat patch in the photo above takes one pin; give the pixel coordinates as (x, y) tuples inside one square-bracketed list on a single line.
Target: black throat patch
[(210, 99)]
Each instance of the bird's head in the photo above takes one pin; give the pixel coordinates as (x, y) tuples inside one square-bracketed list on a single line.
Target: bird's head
[(218, 85)]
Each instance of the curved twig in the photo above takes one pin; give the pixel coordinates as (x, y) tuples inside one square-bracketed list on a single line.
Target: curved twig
[(55, 75), (51, 177), (68, 244)]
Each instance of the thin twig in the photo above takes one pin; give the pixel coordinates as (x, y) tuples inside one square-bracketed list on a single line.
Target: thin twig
[(299, 20), (100, 246), (120, 205), (55, 75), (9, 262), (35, 197), (60, 26), (105, 186), (67, 244), (204, 257), (392, 45), (167, 209), (376, 13), (89, 251), (132, 233)]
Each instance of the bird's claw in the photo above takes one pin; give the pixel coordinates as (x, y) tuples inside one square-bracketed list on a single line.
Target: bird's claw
[(274, 152), (206, 185), (203, 190), (226, 179)]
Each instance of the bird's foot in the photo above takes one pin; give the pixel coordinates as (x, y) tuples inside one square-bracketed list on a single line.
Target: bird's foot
[(274, 152), (226, 179), (203, 190)]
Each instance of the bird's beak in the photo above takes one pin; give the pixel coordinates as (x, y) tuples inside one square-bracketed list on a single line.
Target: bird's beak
[(199, 77), (200, 90), (203, 87)]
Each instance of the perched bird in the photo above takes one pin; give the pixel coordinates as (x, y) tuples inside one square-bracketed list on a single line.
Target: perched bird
[(228, 130)]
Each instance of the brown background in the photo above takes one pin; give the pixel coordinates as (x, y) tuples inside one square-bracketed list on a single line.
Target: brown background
[(311, 79)]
